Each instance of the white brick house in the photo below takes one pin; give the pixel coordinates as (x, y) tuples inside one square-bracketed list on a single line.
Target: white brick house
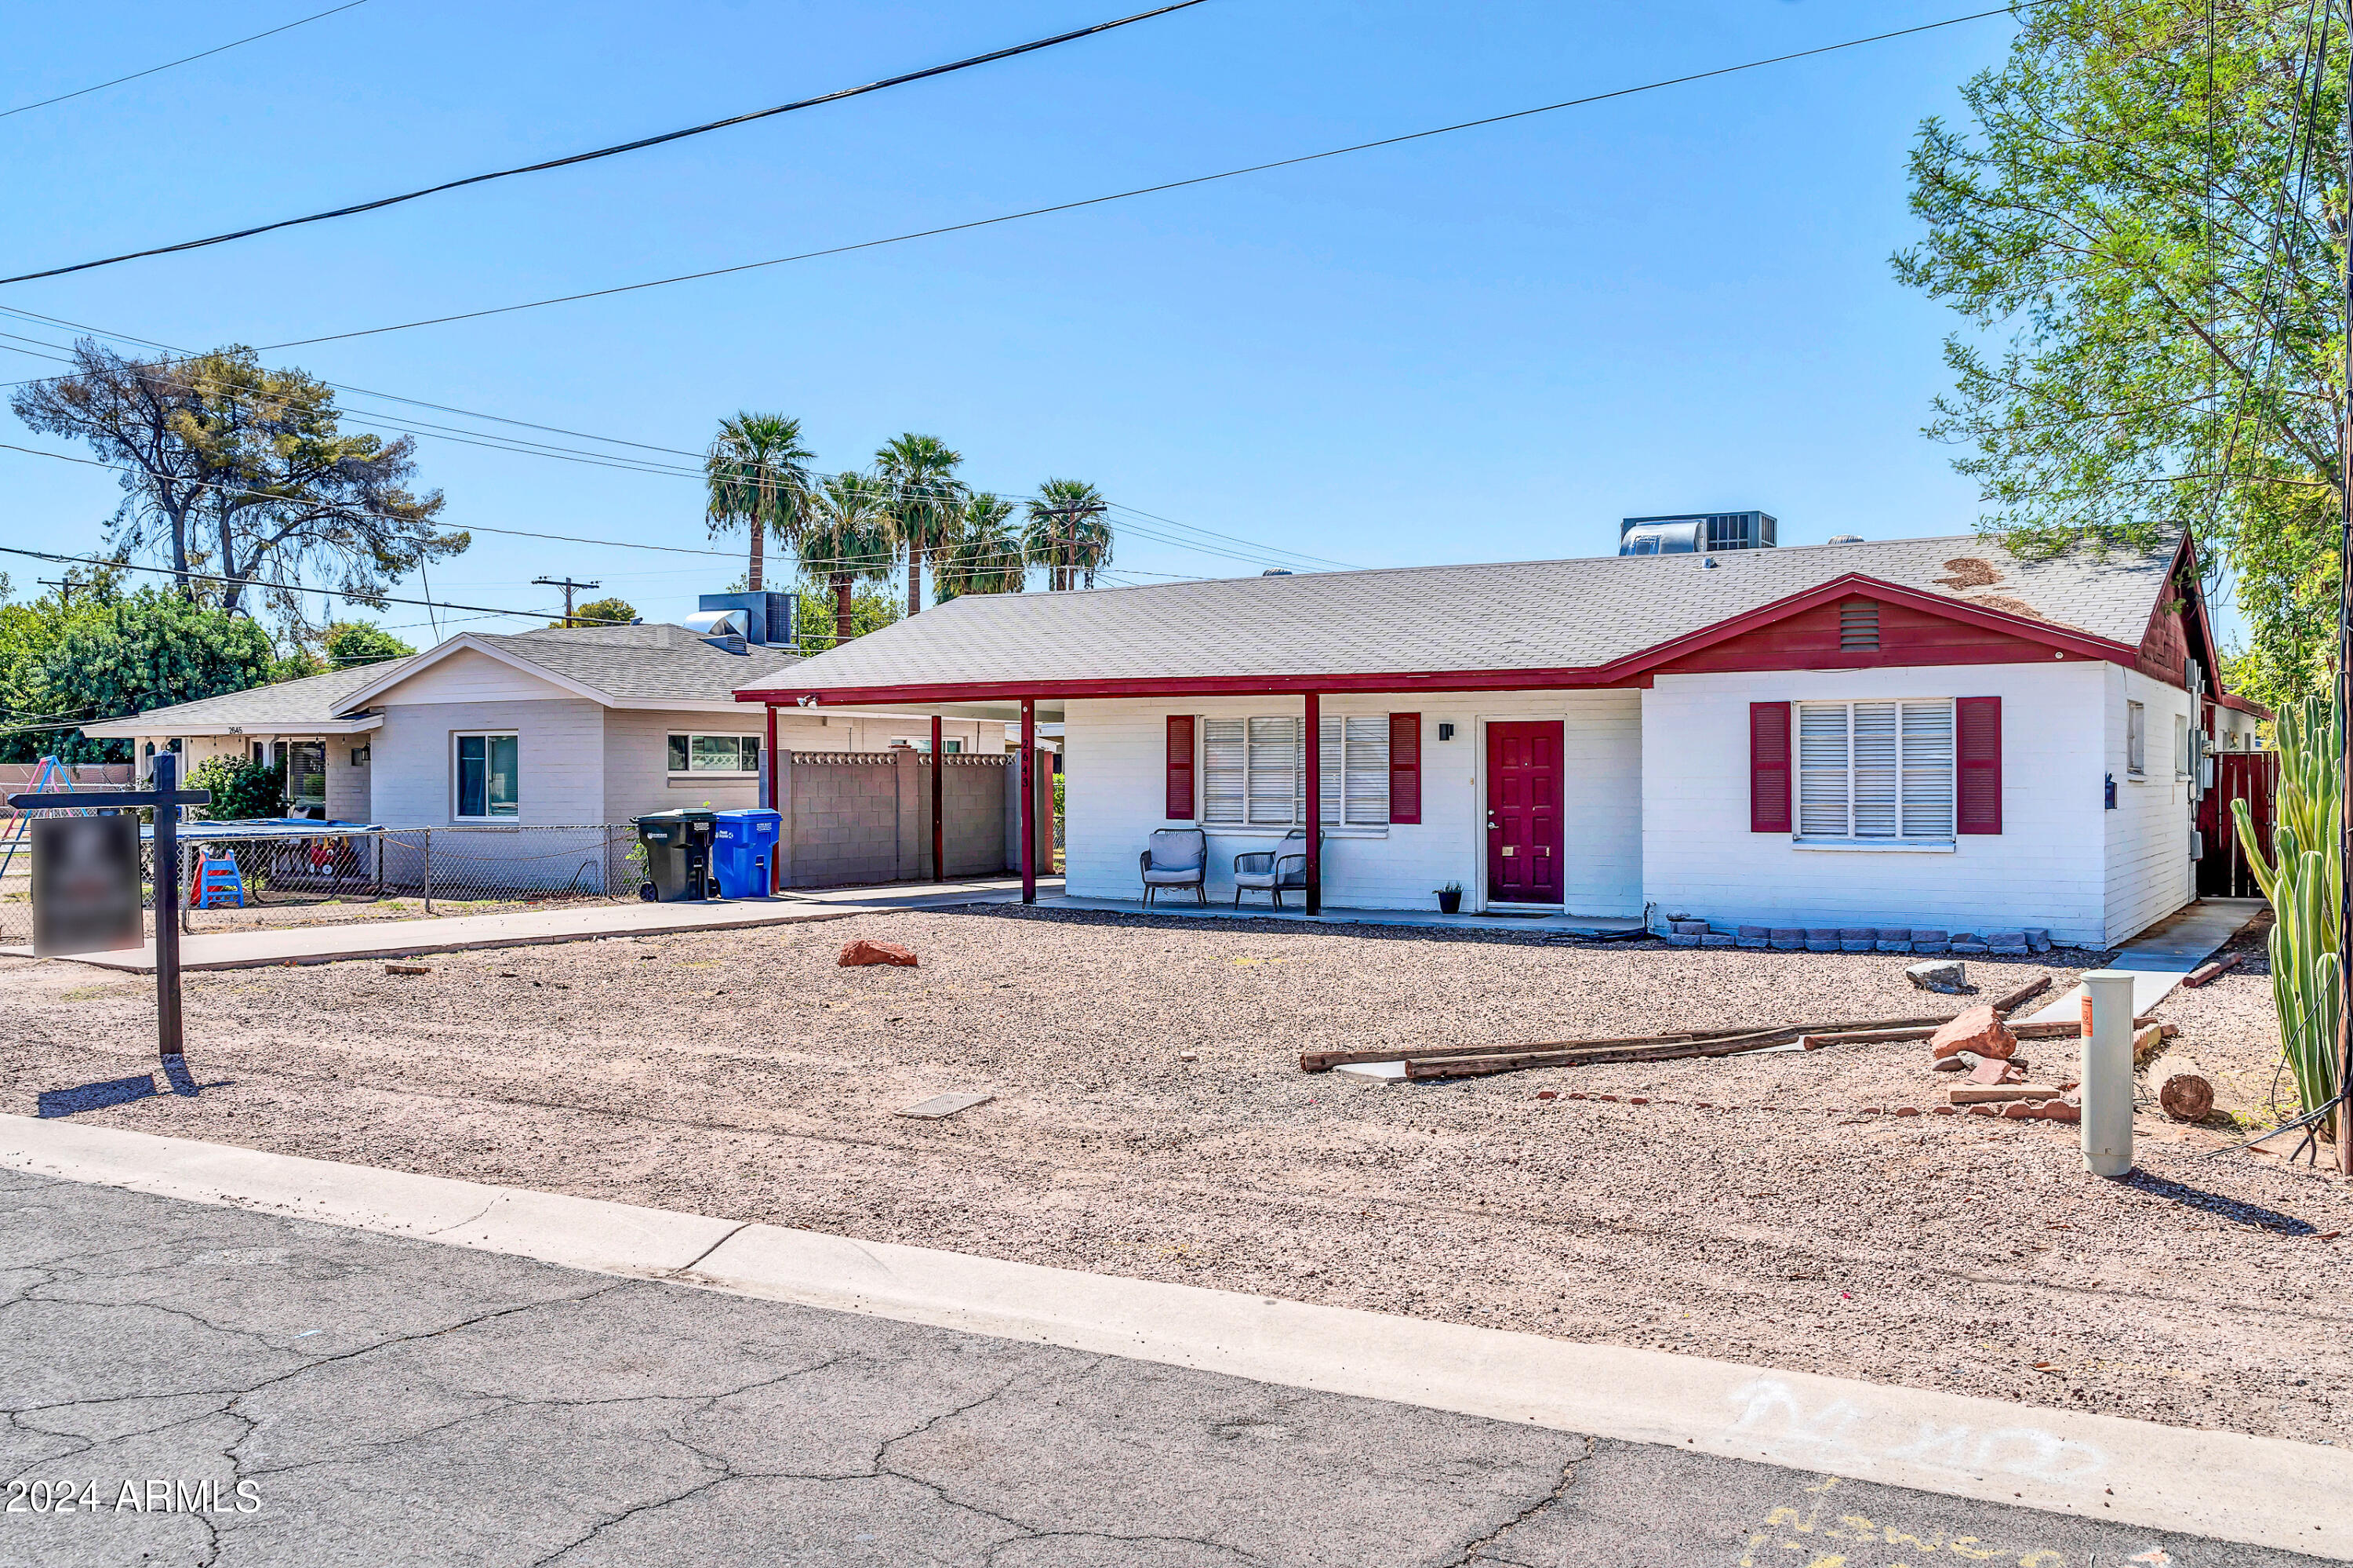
[(569, 727), (1925, 733)]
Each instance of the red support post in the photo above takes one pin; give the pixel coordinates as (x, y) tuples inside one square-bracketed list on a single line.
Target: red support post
[(1028, 800), (1314, 757), (939, 796), (776, 855)]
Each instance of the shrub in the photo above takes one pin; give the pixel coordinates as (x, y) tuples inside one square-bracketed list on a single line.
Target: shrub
[(242, 790)]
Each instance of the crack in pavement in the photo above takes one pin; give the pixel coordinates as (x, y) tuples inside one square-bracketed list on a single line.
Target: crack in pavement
[(1472, 1551)]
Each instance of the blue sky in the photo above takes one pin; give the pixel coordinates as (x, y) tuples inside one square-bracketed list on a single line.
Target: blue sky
[(1489, 345)]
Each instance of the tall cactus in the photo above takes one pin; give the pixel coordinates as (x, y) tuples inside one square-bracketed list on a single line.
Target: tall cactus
[(2302, 879)]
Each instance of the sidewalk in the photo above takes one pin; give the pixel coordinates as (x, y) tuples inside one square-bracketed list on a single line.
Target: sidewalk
[(2160, 956), (1235, 1427), (532, 927)]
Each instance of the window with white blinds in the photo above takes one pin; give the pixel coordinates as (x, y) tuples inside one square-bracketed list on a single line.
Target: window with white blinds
[(1876, 770), (1253, 771)]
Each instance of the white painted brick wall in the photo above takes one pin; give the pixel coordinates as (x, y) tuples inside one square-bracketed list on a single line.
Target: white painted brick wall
[(561, 759), (637, 761), (2149, 872), (1115, 760), (2046, 868)]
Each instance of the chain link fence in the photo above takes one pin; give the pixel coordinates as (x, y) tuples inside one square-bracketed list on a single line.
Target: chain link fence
[(403, 873), (241, 877)]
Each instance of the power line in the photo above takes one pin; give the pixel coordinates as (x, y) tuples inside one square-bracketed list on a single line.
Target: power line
[(185, 59), (1143, 190), (344, 594), (807, 562), (642, 142), (1259, 550)]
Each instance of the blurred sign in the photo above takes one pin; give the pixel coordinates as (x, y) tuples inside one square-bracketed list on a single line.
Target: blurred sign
[(86, 893)]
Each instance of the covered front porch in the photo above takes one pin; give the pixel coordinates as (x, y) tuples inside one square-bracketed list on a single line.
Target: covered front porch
[(1521, 807)]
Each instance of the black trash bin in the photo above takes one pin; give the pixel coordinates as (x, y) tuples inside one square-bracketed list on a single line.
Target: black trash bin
[(678, 856)]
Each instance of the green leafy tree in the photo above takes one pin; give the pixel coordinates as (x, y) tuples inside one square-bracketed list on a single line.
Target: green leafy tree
[(1067, 533), (848, 541), (613, 611), (242, 790), (926, 501), (986, 555), (32, 721), (234, 472), (2142, 223), (871, 609), (146, 649), (298, 666), (756, 477), (350, 642)]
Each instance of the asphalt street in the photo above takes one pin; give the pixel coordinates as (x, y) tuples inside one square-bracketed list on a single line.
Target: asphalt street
[(190, 1384)]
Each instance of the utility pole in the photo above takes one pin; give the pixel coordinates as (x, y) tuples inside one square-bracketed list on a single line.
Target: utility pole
[(567, 585)]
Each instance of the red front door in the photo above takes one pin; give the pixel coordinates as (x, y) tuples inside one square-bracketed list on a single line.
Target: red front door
[(1524, 812)]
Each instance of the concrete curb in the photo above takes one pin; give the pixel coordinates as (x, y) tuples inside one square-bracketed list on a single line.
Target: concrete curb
[(2261, 1490)]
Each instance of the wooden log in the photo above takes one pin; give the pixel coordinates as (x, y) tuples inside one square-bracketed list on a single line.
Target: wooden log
[(2205, 972), (2061, 1031), (1423, 1067), (2186, 1096), (2014, 1000), (1995, 1093), (1323, 1061)]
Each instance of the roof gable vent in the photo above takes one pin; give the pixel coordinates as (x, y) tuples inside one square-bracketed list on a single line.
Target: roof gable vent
[(1858, 625)]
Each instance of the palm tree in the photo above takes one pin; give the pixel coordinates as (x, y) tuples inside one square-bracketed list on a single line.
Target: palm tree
[(756, 475), (926, 501), (848, 539), (1067, 533), (985, 556)]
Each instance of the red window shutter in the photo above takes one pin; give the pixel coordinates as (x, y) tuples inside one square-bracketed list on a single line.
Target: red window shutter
[(1977, 751), (1180, 767), (1768, 768), (1405, 768)]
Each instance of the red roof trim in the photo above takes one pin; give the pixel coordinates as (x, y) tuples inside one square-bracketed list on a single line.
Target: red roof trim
[(1631, 669)]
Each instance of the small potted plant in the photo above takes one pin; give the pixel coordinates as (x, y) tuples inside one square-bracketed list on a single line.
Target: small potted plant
[(1449, 898)]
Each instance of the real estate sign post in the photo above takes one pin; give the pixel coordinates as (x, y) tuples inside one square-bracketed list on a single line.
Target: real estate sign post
[(79, 899)]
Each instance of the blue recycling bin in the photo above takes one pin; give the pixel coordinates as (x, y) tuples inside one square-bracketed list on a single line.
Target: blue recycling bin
[(743, 848)]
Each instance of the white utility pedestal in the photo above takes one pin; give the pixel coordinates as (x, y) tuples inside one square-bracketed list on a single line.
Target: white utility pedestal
[(2107, 1075)]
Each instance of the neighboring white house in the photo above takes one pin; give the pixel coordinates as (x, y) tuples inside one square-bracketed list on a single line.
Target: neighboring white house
[(566, 726), (1906, 733)]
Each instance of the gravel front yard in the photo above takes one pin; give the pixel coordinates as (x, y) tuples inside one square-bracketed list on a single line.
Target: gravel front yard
[(743, 1075)]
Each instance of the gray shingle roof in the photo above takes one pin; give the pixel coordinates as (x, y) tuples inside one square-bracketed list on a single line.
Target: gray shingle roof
[(1570, 614), (643, 664), (628, 663), (288, 704)]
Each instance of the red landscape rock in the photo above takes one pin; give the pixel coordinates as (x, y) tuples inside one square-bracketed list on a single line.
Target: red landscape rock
[(861, 952), (1976, 1030)]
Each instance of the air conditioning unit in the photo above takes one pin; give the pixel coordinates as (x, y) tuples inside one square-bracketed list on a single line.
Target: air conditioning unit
[(1695, 533)]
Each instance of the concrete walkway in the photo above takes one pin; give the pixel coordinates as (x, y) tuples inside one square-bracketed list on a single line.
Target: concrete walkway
[(2160, 956), (533, 927), (1182, 905), (1471, 1443)]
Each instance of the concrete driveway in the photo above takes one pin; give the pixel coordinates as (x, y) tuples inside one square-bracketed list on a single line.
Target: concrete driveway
[(193, 1384)]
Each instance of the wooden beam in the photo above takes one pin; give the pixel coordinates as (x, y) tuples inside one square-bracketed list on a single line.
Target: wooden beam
[(1314, 741), (1029, 813)]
